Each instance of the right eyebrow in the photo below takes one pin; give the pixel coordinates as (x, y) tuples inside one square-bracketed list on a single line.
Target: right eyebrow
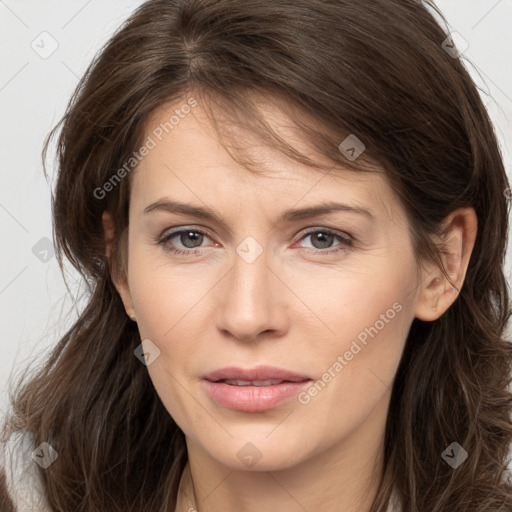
[(167, 205)]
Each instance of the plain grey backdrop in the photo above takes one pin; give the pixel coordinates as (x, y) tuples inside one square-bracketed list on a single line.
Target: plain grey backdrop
[(45, 47)]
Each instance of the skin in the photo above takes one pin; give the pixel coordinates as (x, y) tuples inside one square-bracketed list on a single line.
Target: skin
[(287, 308)]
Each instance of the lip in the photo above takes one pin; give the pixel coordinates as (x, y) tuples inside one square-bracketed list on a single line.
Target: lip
[(253, 398), (258, 373)]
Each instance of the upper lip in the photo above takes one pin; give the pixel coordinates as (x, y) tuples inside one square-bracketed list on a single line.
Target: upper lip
[(251, 374)]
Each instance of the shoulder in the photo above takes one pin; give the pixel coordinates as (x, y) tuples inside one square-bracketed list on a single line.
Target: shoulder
[(21, 486)]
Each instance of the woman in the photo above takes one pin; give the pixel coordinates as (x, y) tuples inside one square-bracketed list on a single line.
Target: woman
[(292, 216)]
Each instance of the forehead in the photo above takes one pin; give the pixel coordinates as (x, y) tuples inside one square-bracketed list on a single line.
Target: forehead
[(188, 160)]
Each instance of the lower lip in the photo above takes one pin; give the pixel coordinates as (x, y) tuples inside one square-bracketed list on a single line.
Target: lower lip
[(253, 398)]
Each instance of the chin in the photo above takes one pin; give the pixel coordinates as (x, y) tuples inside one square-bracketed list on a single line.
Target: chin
[(242, 454)]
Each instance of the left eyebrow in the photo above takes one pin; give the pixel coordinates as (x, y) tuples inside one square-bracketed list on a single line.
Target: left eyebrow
[(321, 209), (288, 216)]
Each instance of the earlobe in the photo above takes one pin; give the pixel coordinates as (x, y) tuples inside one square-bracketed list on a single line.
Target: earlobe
[(437, 293), (121, 285)]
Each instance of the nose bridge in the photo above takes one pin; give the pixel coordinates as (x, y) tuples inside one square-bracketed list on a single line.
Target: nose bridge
[(248, 305)]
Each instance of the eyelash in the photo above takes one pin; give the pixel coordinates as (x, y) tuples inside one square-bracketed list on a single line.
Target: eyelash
[(345, 244)]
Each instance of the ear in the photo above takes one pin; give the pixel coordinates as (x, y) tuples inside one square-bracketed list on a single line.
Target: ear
[(436, 293), (120, 282)]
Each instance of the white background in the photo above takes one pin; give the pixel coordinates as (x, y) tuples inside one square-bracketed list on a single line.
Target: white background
[(35, 307)]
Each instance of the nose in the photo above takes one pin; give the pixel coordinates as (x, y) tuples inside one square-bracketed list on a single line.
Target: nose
[(252, 301)]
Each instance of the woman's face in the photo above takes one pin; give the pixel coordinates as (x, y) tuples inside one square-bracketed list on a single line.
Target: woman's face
[(326, 296)]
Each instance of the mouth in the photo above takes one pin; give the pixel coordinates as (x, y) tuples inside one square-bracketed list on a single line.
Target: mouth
[(257, 392), (260, 375)]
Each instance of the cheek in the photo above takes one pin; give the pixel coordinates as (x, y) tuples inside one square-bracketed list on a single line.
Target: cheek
[(167, 306), (363, 317), (367, 337), (164, 294), (347, 302), (354, 369)]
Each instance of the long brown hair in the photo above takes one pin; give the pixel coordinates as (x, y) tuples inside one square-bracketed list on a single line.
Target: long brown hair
[(377, 69)]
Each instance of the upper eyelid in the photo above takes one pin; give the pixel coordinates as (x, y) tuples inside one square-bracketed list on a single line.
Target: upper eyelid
[(308, 231)]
